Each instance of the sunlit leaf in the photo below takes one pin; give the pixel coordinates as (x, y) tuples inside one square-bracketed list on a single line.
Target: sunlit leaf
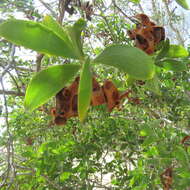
[(131, 60), (47, 83), (135, 1), (64, 176), (56, 28), (177, 51), (183, 3), (85, 90), (37, 37)]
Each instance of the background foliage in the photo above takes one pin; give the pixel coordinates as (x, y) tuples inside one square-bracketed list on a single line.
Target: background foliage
[(125, 149)]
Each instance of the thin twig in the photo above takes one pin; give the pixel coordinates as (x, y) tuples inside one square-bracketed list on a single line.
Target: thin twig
[(39, 61), (124, 14), (178, 35), (10, 149), (48, 7), (61, 8), (10, 92)]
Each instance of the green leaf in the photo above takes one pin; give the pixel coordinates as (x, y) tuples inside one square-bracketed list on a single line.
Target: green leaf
[(47, 83), (53, 25), (37, 37), (85, 90), (183, 3), (154, 85), (75, 35), (64, 176), (164, 50), (130, 80), (181, 155), (174, 65), (135, 1), (131, 60), (176, 51)]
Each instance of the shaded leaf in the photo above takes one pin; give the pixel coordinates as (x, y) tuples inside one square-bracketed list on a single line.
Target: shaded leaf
[(47, 83), (35, 36), (131, 60), (85, 90), (164, 50), (75, 36), (154, 85), (182, 156), (183, 3), (177, 51), (174, 65)]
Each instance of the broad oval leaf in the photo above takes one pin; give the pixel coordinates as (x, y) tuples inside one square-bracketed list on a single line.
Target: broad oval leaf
[(177, 51), (84, 91), (47, 83), (131, 60), (37, 37), (183, 3)]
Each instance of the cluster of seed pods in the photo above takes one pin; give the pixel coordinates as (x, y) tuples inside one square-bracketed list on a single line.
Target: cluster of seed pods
[(66, 99), (147, 34)]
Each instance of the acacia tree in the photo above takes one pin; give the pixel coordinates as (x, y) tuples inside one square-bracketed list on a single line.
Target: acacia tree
[(143, 145)]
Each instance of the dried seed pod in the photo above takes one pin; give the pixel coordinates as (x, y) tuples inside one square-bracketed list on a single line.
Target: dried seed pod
[(144, 19), (141, 42), (111, 94), (158, 33), (167, 178), (66, 103), (60, 120), (98, 97), (146, 34), (186, 141)]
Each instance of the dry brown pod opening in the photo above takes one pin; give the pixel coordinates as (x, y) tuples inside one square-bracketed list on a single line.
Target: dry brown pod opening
[(146, 34)]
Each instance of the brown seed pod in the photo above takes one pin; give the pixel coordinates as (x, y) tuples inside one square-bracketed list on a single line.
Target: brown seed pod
[(146, 34), (144, 19), (111, 94), (167, 178), (186, 141), (98, 97)]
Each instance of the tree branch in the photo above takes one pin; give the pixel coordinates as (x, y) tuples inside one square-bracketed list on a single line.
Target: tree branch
[(48, 7), (10, 92), (178, 35)]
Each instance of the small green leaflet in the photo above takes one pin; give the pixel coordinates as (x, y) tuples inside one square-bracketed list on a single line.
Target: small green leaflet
[(176, 51), (64, 176), (135, 1), (37, 37), (85, 90), (47, 83), (131, 60), (164, 50), (174, 65), (183, 3)]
